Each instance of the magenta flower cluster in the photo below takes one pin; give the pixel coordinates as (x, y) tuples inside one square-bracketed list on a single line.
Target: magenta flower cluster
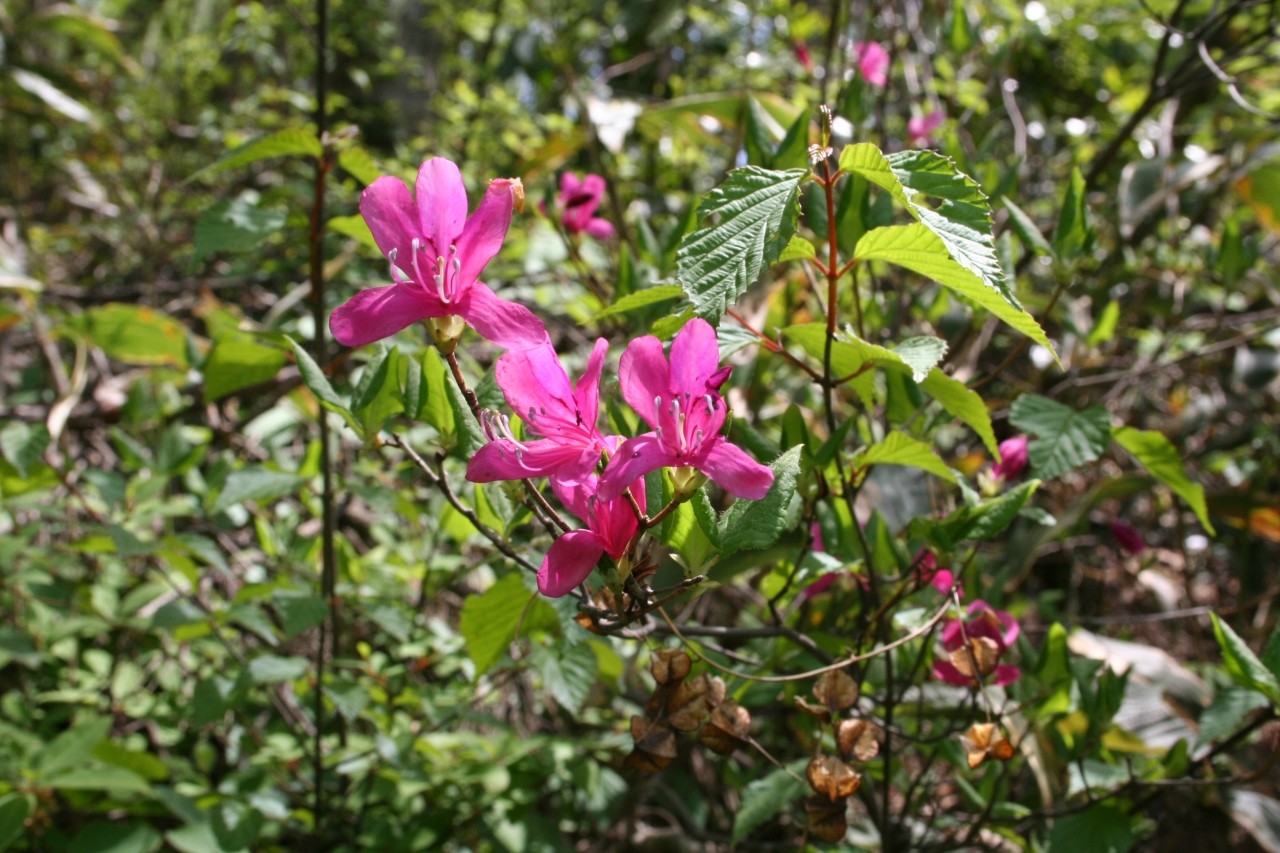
[(436, 254)]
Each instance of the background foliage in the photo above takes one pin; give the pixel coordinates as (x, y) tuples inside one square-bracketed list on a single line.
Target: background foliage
[(172, 673)]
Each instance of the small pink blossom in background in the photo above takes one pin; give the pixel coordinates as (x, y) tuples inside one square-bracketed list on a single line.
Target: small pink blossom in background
[(823, 583), (679, 398), (436, 253), (940, 579), (1127, 537), (578, 202), (801, 51), (987, 623), (873, 63), (919, 128), (1013, 455)]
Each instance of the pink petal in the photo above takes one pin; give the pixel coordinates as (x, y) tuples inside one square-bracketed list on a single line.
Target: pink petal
[(736, 472), (945, 670), (484, 232), (644, 374), (389, 211), (601, 229), (532, 380), (635, 458), (569, 186), (499, 460), (695, 356), (442, 202), (1006, 674), (567, 564), (380, 312), (507, 324), (587, 392)]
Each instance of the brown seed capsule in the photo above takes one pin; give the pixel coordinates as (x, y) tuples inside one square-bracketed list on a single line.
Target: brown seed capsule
[(655, 745), (687, 704), (826, 821), (670, 665), (836, 690), (978, 659), (832, 778), (816, 711), (728, 728), (859, 739)]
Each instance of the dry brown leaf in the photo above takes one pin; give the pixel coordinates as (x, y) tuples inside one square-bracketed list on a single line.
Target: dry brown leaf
[(983, 741), (832, 778)]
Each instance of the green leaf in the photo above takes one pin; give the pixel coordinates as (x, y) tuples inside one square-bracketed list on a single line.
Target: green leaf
[(1072, 234), (768, 796), (269, 669), (290, 142), (14, 810), (921, 354), (1107, 829), (917, 248), (135, 335), (1066, 439), (641, 299), (299, 613), (436, 407), (470, 436), (963, 403), (752, 525), (72, 747), (757, 210), (1161, 459), (114, 836), (989, 518), (1025, 227), (568, 672), (107, 779), (850, 354), (236, 825), (1105, 329), (1242, 664), (237, 362), (23, 445), (255, 484), (798, 248), (901, 449), (488, 621), (356, 228), (377, 396), (234, 226), (358, 163)]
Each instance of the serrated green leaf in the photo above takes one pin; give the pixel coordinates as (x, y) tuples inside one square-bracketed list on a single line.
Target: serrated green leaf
[(798, 248), (1242, 664), (901, 449), (752, 525), (255, 484), (768, 796), (268, 669), (850, 354), (641, 299), (963, 403), (922, 354), (135, 335), (568, 672), (1161, 460), (757, 210), (23, 444), (1025, 227), (1066, 439), (488, 621), (917, 248), (234, 226), (989, 518)]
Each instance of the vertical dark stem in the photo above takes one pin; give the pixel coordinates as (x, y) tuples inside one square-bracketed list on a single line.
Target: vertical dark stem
[(328, 571)]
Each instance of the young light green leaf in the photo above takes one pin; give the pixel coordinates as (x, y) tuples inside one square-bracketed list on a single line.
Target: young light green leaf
[(901, 449), (752, 525), (237, 362), (1160, 458), (1105, 329), (757, 210), (798, 248), (1072, 234), (268, 669), (962, 403), (357, 162), (354, 227), (922, 354), (851, 354), (488, 621), (641, 299), (1242, 664), (1066, 439), (290, 142)]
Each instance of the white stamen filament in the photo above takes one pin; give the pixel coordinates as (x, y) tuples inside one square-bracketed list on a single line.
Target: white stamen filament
[(711, 404)]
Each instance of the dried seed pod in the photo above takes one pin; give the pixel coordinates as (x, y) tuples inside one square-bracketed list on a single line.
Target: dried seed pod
[(670, 666), (832, 778), (826, 821), (728, 728), (859, 739), (836, 690), (983, 741), (715, 690), (821, 713), (687, 704), (655, 745), (978, 658)]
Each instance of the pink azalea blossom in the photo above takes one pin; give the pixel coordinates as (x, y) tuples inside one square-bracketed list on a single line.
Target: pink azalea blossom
[(1127, 537), (680, 399), (943, 580), (611, 524), (873, 63), (436, 253), (984, 623), (1013, 455), (562, 416), (578, 202), (919, 128)]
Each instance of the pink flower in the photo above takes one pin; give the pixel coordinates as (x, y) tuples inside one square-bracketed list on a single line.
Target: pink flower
[(610, 526), (436, 254), (681, 400), (1013, 456), (978, 644), (1127, 537), (578, 202), (943, 580), (801, 51), (873, 63), (563, 417), (919, 128)]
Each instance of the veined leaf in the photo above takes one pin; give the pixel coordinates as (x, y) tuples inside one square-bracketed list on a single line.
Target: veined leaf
[(1242, 664), (488, 621), (798, 248), (962, 403), (234, 226), (641, 299), (1157, 454), (135, 334), (1066, 438), (757, 210), (851, 354), (751, 525), (901, 449)]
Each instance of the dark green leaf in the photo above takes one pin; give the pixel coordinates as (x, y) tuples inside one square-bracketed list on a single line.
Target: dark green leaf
[(268, 669), (1066, 439), (752, 525), (261, 485), (23, 444), (234, 226), (768, 796)]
